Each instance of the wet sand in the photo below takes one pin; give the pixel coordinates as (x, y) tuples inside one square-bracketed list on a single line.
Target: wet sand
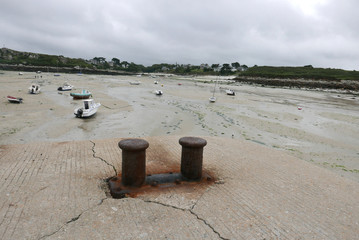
[(324, 132)]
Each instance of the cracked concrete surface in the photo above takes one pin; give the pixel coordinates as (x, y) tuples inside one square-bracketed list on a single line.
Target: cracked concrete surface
[(103, 160), (56, 191)]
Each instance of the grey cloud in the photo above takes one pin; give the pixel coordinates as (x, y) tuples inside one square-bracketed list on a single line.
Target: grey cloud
[(147, 32)]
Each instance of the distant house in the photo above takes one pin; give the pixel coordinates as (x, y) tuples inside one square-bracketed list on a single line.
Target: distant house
[(204, 66)]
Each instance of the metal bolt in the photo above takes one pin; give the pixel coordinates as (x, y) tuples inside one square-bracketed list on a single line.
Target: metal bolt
[(192, 157), (133, 161)]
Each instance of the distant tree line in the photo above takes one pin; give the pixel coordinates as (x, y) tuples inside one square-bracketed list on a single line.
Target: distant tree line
[(116, 64), (12, 57)]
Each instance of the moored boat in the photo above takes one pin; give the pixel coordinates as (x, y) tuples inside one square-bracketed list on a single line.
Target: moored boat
[(230, 92), (85, 94), (158, 92), (34, 89), (212, 99), (135, 82), (65, 87), (88, 109), (14, 99)]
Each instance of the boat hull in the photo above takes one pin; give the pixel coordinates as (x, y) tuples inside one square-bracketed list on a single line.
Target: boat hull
[(86, 113), (34, 89), (230, 92), (64, 89), (80, 96), (14, 99), (212, 99)]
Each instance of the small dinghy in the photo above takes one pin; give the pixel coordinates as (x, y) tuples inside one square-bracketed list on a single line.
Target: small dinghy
[(14, 99), (88, 109)]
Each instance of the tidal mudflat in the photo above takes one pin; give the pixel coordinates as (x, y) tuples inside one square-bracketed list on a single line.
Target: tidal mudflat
[(321, 127)]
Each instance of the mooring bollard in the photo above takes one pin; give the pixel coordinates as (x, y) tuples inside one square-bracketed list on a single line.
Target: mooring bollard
[(133, 161), (192, 157)]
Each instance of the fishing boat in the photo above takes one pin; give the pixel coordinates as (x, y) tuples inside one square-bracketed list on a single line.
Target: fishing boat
[(230, 92), (14, 99), (85, 94), (88, 109), (34, 89), (65, 87)]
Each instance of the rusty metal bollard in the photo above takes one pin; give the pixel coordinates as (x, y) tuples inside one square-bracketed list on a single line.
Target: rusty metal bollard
[(133, 161), (192, 157)]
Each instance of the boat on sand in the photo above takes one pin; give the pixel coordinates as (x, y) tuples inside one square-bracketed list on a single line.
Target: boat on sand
[(14, 99), (88, 109), (34, 89), (84, 94), (230, 92), (213, 98), (65, 87), (158, 92), (135, 82)]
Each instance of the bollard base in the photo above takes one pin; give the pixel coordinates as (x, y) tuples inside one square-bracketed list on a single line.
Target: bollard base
[(156, 182)]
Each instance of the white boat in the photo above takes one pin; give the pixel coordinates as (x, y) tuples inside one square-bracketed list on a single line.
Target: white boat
[(230, 92), (34, 89), (213, 98), (159, 92), (88, 109), (135, 82), (65, 87)]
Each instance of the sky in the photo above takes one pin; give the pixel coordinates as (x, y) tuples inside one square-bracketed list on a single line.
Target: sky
[(321, 33)]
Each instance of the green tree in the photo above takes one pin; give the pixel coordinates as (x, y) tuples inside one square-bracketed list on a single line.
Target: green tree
[(125, 64), (116, 61), (226, 69), (236, 65)]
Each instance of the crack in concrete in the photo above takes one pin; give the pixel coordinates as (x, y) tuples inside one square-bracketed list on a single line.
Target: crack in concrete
[(208, 225), (103, 160), (74, 219), (191, 212)]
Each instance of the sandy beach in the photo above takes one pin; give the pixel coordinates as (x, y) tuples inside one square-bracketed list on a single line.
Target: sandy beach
[(324, 132)]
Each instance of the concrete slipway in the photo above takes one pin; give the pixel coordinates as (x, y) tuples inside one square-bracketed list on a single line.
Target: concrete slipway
[(58, 191)]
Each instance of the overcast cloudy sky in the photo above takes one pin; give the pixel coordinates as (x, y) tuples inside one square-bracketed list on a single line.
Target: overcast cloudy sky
[(323, 33)]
